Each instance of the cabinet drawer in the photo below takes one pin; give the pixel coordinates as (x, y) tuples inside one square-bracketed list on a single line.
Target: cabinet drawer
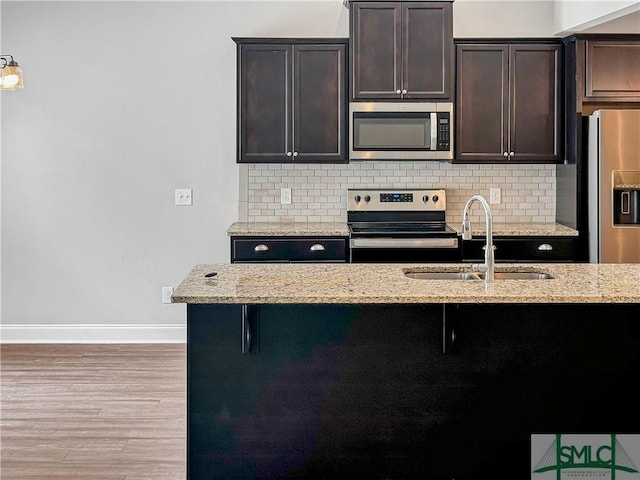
[(539, 249), (275, 249)]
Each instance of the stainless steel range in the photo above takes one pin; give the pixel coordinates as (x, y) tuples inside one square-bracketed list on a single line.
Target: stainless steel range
[(400, 225)]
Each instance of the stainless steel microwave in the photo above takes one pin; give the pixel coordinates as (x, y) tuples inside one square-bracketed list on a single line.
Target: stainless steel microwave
[(401, 131)]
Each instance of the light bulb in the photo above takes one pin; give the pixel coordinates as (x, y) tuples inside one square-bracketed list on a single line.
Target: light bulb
[(10, 80), (11, 76)]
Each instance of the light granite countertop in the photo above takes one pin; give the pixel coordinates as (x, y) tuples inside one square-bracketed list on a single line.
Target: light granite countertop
[(341, 229), (386, 283), (246, 229)]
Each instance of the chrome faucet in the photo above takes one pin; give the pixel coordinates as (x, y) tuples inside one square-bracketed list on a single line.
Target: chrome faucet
[(489, 260)]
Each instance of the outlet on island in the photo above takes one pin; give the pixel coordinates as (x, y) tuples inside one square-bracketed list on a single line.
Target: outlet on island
[(166, 294)]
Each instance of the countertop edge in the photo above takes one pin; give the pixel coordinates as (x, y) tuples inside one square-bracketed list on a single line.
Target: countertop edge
[(267, 229), (340, 283)]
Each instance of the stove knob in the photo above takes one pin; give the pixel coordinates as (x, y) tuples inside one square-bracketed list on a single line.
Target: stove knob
[(425, 198), (435, 198), (367, 198), (357, 198)]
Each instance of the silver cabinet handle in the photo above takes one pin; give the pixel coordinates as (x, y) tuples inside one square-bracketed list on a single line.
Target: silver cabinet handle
[(398, 92), (289, 154), (246, 330), (317, 247), (261, 248), (511, 154), (295, 154), (404, 92), (545, 247), (505, 154), (449, 313)]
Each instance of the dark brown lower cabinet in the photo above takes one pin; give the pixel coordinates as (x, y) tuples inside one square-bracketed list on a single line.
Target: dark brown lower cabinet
[(288, 249), (401, 391), (524, 249)]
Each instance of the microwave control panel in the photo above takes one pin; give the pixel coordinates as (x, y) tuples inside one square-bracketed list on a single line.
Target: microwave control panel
[(444, 131)]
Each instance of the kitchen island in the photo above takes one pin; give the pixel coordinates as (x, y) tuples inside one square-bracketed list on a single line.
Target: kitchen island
[(357, 371)]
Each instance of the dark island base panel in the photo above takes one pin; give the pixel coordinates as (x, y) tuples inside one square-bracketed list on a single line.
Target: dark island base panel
[(350, 392)]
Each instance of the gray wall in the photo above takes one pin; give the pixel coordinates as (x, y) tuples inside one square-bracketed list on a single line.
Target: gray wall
[(123, 103)]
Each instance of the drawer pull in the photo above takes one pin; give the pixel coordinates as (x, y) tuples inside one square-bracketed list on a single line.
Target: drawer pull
[(545, 247), (261, 248), (317, 247)]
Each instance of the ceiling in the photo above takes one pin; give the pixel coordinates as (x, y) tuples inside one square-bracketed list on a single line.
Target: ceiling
[(629, 23)]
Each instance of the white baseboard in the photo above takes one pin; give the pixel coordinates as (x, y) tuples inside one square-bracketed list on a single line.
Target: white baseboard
[(93, 333)]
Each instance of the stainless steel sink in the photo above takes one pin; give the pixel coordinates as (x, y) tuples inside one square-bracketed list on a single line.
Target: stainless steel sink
[(521, 276), (504, 275), (443, 275)]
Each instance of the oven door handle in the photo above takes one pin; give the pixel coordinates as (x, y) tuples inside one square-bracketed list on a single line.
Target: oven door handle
[(385, 242)]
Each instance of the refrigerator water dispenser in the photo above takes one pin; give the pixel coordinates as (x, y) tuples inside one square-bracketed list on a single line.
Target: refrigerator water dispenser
[(626, 197)]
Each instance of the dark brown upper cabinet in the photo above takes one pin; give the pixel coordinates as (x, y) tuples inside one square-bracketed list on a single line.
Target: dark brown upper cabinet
[(612, 69), (401, 50), (508, 102), (292, 99), (602, 69)]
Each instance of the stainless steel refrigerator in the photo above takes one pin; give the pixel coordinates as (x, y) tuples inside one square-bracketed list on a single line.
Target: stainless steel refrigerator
[(614, 186)]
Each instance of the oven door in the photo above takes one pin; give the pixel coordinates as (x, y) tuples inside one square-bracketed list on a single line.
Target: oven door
[(365, 249)]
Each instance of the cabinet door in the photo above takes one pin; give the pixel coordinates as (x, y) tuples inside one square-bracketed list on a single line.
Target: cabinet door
[(264, 121), (481, 102), (376, 44), (264, 103), (401, 50), (535, 113), (319, 103), (427, 45), (612, 70)]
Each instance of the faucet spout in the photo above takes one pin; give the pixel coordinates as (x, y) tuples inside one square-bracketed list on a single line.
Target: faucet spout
[(489, 258)]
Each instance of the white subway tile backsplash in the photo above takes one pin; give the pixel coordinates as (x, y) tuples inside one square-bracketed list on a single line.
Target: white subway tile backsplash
[(319, 192)]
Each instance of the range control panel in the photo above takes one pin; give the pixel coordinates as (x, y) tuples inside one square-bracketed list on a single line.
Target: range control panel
[(396, 200)]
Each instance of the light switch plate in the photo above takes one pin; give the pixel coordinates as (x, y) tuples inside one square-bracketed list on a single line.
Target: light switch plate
[(184, 196)]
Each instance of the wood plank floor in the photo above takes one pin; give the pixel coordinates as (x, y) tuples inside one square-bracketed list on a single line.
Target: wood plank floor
[(92, 412)]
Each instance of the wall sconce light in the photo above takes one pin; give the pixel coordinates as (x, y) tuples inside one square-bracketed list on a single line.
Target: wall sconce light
[(10, 73)]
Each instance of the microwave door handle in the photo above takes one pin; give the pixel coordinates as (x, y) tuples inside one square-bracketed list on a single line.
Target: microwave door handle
[(434, 131)]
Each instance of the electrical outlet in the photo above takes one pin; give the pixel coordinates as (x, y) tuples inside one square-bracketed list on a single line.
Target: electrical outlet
[(285, 196), (494, 196), (166, 294), (184, 196)]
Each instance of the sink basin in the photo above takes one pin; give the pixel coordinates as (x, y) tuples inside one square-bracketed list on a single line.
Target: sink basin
[(500, 275), (521, 276), (435, 275)]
